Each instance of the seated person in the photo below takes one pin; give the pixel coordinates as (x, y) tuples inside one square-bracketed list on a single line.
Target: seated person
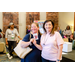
[(67, 33), (1, 31), (71, 38)]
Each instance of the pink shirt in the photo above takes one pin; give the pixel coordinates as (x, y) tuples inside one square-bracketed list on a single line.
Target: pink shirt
[(50, 49)]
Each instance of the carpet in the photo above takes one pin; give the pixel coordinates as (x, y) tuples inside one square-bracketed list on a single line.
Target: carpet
[(4, 58)]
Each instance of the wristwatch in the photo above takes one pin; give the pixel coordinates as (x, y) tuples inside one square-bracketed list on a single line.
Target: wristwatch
[(58, 60)]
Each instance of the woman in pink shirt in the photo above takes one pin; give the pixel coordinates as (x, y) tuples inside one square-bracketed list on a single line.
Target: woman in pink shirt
[(51, 43)]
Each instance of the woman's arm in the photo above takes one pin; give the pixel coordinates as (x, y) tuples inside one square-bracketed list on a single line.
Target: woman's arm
[(19, 37), (18, 34), (60, 43), (26, 44), (38, 46), (3, 33), (6, 41), (60, 52), (6, 37)]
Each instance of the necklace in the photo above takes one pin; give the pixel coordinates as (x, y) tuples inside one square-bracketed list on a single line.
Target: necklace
[(46, 38)]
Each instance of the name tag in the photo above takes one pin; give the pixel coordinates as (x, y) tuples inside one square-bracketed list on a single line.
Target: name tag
[(12, 36)]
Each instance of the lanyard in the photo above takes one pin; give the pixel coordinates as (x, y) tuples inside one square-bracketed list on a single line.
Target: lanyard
[(12, 32)]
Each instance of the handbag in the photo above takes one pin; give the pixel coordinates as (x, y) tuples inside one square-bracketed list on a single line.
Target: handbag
[(22, 52), (0, 36)]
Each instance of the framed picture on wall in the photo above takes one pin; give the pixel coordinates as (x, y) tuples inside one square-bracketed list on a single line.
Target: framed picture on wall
[(40, 22)]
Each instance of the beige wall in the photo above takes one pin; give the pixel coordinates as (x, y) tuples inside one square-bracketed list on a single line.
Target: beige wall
[(1, 22), (22, 24), (42, 15), (66, 18)]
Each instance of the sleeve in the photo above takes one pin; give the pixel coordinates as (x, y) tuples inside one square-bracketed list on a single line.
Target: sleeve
[(59, 39), (0, 30), (26, 38), (70, 32), (64, 32), (17, 32)]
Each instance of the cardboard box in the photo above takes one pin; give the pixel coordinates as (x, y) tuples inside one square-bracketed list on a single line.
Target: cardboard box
[(65, 39), (67, 47)]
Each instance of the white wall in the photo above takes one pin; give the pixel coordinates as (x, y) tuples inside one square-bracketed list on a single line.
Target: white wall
[(22, 24), (66, 18), (1, 22)]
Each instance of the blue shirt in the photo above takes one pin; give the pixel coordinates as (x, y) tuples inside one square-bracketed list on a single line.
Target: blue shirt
[(35, 54)]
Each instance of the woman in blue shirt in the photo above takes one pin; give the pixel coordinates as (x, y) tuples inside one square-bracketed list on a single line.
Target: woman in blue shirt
[(35, 54)]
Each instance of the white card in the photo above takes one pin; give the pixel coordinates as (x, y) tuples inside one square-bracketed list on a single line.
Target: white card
[(35, 36)]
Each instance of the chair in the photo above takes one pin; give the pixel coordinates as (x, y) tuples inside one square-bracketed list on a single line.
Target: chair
[(73, 44), (2, 47)]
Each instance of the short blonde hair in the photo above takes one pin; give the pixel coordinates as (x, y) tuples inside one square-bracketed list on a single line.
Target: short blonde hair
[(37, 26)]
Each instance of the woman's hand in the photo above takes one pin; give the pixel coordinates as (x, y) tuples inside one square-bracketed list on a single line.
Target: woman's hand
[(6, 43), (57, 61), (34, 42)]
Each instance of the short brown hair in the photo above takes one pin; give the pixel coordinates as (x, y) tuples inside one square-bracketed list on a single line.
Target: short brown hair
[(53, 29)]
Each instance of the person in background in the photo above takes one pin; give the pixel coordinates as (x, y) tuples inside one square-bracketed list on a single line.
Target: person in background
[(59, 30), (71, 38), (28, 29), (35, 54), (51, 43), (11, 32), (67, 32), (2, 32)]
